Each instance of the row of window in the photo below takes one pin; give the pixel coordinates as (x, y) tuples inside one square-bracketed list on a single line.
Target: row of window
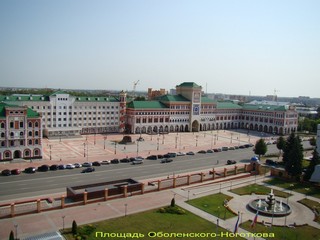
[(80, 124), (20, 124), (75, 107), (13, 143)]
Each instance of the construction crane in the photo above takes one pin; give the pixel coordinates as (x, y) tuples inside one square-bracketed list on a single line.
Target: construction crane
[(275, 97), (134, 88)]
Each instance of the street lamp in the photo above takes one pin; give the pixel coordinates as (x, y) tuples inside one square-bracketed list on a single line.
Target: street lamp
[(16, 231), (231, 137), (84, 149), (211, 139), (50, 150), (115, 147), (158, 143), (176, 142), (197, 141), (94, 141), (188, 195), (104, 143), (137, 148), (125, 209), (63, 222)]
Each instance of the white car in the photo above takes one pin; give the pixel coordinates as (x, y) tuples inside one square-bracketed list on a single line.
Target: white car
[(70, 166), (87, 164), (180, 154), (77, 165)]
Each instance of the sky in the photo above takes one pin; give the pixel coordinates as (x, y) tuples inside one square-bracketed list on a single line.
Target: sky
[(227, 46)]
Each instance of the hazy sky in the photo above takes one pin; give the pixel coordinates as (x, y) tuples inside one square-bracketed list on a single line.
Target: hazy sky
[(234, 46)]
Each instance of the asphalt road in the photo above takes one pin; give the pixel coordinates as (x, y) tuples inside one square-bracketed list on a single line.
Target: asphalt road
[(28, 185)]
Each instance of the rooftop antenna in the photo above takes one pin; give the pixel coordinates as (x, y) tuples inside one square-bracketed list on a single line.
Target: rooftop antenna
[(134, 88)]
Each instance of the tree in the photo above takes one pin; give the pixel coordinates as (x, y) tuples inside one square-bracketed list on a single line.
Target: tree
[(287, 148), (260, 147), (74, 227), (315, 160), (173, 202), (293, 164), (281, 144), (11, 236)]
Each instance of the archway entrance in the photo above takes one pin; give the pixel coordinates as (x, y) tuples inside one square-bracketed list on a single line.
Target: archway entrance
[(195, 126), (17, 154)]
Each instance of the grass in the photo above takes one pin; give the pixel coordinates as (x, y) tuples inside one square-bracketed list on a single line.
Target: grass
[(313, 205), (150, 221), (213, 204), (282, 233), (258, 189), (304, 188)]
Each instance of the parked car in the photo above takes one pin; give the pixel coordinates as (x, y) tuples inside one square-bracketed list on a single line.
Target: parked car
[(115, 161), (15, 171), (88, 169), (125, 160), (77, 165), (70, 166), (230, 162), (166, 160), (181, 154), (53, 167), (152, 157), (61, 167), (105, 162), (242, 147), (231, 148), (87, 164), (139, 158), (140, 139), (202, 151), (160, 156), (190, 153), (172, 154), (224, 148), (209, 151), (43, 168), (30, 170), (216, 150), (6, 172), (271, 162), (96, 164), (137, 161)]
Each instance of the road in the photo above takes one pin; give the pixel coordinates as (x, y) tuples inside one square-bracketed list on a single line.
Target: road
[(28, 185)]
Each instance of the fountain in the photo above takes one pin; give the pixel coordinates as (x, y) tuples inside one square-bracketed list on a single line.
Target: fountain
[(270, 206)]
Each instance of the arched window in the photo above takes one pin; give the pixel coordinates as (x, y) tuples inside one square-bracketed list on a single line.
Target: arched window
[(2, 125), (2, 134), (36, 141), (30, 142), (36, 133), (30, 133), (30, 124), (36, 152), (12, 134), (36, 124), (27, 153)]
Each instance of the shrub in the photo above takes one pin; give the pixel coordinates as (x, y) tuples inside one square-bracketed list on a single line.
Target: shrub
[(74, 227), (173, 202)]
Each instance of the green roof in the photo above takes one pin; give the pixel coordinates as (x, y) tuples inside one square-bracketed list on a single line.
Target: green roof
[(172, 98), (264, 107), (188, 84), (205, 99), (228, 105), (146, 105), (30, 112)]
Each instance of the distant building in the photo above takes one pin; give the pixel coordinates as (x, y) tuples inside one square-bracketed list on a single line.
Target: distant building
[(152, 94), (20, 132)]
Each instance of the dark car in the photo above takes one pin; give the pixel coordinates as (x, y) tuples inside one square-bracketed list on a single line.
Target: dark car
[(53, 167), (230, 162), (271, 162), (96, 163), (140, 139), (15, 171), (61, 167), (242, 147), (115, 161), (167, 160), (160, 156), (6, 172), (88, 169), (30, 170), (202, 151), (43, 168), (216, 150), (209, 151), (125, 160), (152, 157)]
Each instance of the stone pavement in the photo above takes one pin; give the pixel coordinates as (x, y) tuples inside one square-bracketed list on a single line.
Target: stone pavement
[(51, 221)]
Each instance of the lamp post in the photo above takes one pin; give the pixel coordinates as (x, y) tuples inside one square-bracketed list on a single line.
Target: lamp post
[(162, 138), (231, 137), (125, 209), (211, 139), (115, 147), (16, 231), (84, 149), (217, 224), (50, 151), (215, 139), (137, 148), (63, 222), (188, 195), (158, 143), (176, 142), (104, 142), (197, 141)]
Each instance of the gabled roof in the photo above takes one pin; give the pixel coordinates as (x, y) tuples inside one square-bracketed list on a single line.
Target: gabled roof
[(146, 105), (23, 97), (58, 92), (172, 98), (261, 107), (188, 84), (30, 112)]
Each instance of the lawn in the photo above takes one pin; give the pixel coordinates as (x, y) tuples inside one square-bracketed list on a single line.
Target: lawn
[(213, 204), (151, 221), (304, 188), (258, 189), (282, 233)]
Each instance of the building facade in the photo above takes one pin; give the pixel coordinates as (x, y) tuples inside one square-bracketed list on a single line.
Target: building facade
[(189, 111), (20, 132)]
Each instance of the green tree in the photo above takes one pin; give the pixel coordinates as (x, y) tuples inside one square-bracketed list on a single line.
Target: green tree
[(74, 227), (260, 147), (287, 148), (295, 156), (173, 202), (11, 236), (281, 144), (315, 160)]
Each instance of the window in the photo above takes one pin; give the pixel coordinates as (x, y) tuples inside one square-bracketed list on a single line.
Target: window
[(11, 124), (30, 134), (36, 124)]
